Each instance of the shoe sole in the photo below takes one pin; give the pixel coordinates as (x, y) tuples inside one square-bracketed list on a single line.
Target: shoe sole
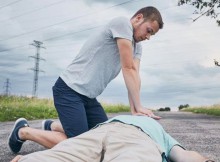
[(18, 120)]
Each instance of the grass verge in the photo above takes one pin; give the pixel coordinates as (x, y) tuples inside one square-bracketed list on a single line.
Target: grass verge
[(210, 110), (14, 107)]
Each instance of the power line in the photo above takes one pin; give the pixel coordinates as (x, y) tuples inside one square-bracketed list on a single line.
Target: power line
[(9, 49), (35, 10), (68, 20), (65, 44), (70, 34), (10, 4), (5, 50)]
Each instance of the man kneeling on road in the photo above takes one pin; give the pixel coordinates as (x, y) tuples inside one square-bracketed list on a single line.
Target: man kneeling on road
[(124, 138)]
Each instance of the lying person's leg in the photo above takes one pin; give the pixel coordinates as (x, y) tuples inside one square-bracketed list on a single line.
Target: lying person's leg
[(85, 147)]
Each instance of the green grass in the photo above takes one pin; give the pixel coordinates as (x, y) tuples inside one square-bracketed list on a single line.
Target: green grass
[(14, 107), (210, 110), (115, 108)]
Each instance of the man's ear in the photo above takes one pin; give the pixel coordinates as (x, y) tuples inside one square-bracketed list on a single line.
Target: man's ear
[(139, 17)]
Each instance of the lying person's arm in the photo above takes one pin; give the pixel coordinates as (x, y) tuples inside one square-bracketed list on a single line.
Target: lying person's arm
[(178, 154)]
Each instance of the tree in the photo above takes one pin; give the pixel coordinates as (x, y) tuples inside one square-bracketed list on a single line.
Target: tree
[(208, 8), (167, 109), (216, 63), (183, 106)]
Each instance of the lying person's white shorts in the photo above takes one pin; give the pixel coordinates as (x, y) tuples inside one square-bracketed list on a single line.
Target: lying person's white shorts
[(111, 142)]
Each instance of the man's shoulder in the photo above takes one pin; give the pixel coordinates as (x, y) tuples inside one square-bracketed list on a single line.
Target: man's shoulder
[(121, 20)]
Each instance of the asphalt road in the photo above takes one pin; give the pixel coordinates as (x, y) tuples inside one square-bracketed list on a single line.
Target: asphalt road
[(194, 131)]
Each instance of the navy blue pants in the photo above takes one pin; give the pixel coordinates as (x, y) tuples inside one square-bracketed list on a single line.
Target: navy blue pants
[(77, 113)]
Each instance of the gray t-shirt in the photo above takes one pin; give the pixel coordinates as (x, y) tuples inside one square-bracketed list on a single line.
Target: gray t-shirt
[(98, 61)]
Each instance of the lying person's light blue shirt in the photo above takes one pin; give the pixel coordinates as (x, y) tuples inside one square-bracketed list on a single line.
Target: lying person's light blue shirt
[(152, 128)]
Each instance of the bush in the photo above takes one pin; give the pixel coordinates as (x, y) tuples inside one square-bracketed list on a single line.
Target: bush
[(164, 109), (161, 109), (167, 109)]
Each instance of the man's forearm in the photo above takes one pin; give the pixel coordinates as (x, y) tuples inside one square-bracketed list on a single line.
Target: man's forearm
[(132, 82), (132, 108)]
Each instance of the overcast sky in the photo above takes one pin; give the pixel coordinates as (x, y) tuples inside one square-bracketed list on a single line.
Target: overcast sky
[(177, 65)]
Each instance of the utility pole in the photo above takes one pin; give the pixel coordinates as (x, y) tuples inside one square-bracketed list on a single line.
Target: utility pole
[(7, 87), (36, 68)]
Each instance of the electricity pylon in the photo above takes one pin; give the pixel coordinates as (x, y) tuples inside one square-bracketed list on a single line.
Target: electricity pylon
[(7, 87), (36, 68)]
